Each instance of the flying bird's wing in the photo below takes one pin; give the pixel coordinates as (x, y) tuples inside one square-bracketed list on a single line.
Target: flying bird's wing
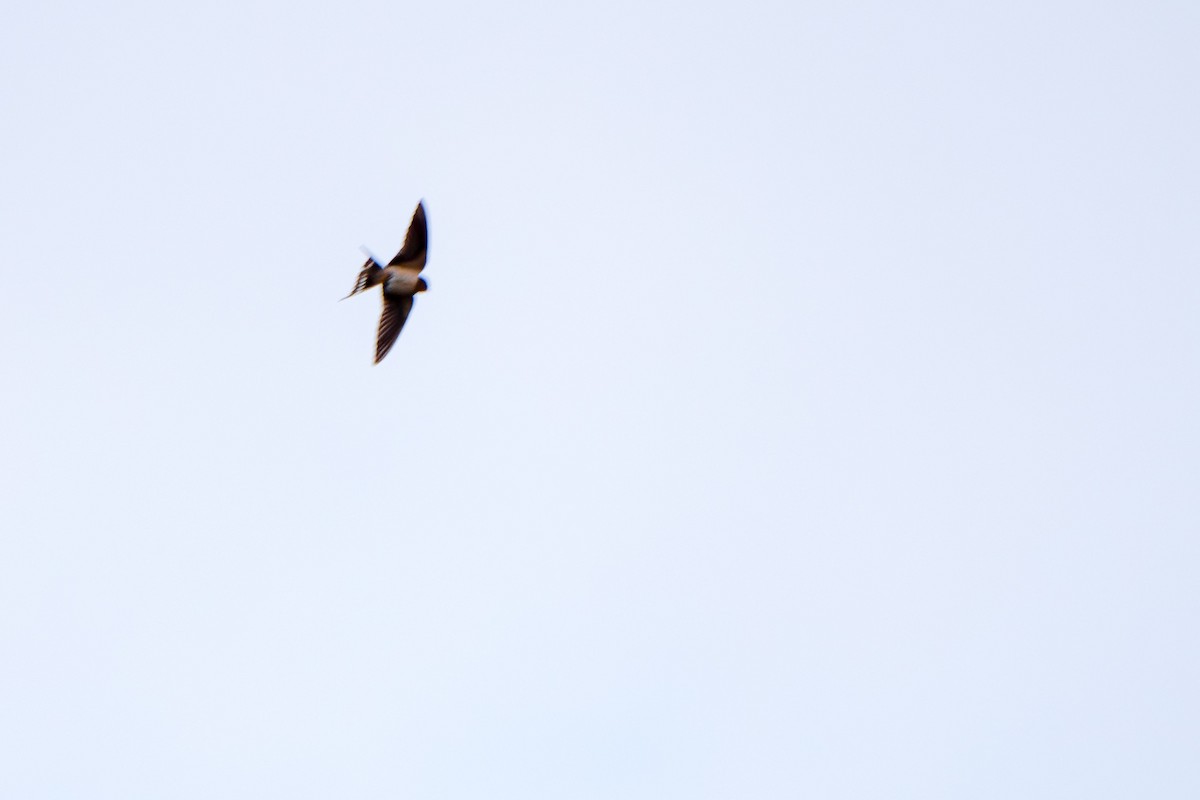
[(395, 311), (416, 241)]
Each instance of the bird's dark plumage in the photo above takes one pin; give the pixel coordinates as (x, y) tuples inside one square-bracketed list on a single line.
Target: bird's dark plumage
[(370, 275), (395, 312), (416, 241)]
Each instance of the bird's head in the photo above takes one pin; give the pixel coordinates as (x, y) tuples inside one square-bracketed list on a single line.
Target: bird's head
[(422, 285)]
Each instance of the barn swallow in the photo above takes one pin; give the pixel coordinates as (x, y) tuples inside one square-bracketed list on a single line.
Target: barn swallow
[(401, 281)]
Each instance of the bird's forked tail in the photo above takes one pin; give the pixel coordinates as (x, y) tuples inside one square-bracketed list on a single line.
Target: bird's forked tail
[(371, 274)]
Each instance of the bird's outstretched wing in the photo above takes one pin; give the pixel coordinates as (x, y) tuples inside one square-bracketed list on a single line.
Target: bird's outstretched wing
[(395, 312), (416, 241)]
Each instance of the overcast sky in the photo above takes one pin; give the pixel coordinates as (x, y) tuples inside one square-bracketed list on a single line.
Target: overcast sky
[(805, 403)]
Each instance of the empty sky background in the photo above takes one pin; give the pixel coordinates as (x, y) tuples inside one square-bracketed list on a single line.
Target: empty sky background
[(804, 406)]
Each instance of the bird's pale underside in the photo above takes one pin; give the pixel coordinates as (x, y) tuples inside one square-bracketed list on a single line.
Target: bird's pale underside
[(401, 280)]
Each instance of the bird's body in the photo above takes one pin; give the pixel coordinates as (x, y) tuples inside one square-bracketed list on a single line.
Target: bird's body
[(401, 280)]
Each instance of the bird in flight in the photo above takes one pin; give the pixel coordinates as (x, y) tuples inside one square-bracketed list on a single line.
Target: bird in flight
[(401, 280)]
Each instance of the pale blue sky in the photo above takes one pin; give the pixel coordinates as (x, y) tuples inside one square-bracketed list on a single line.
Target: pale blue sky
[(804, 406)]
